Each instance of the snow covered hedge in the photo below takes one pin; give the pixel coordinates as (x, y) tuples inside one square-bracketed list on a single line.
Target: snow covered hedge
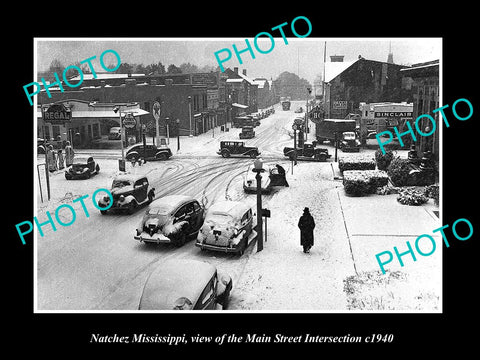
[(363, 182), (358, 162)]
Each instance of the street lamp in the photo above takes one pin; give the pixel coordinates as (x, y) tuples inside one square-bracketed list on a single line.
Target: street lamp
[(190, 113), (178, 134), (258, 168)]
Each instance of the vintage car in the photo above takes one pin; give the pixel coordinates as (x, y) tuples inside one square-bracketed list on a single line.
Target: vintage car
[(371, 141), (82, 168), (272, 176), (128, 192), (186, 285), (151, 152), (170, 219), (226, 228), (247, 133), (115, 133), (228, 148), (250, 182)]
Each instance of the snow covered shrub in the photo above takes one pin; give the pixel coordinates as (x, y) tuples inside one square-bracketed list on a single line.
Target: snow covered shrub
[(412, 196), (433, 192), (383, 160), (363, 182), (358, 162), (399, 170)]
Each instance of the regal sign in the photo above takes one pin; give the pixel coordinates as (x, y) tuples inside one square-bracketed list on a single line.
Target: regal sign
[(57, 114)]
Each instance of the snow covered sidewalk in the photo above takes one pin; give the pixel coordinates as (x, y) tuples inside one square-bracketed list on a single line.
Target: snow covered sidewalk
[(282, 277)]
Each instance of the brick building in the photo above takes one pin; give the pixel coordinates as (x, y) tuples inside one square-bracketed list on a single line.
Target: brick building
[(347, 84)]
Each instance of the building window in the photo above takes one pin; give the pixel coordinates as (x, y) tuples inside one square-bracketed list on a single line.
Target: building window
[(204, 98), (196, 104), (146, 106), (96, 131), (46, 132), (55, 131)]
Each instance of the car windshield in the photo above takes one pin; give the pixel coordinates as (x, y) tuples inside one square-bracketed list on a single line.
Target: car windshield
[(121, 183), (220, 218), (158, 210)]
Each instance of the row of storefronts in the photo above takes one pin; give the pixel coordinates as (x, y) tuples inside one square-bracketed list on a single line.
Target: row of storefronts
[(174, 104)]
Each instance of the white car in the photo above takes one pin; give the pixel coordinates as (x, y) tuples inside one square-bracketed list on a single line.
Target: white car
[(250, 182), (227, 227)]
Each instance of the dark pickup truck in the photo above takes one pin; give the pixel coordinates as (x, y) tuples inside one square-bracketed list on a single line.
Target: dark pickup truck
[(308, 151), (228, 148)]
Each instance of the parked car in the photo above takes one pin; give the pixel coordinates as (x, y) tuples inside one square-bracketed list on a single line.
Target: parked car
[(151, 152), (228, 148), (128, 192), (250, 182), (82, 168), (171, 219), (247, 133), (226, 228), (371, 141), (186, 285), (115, 133)]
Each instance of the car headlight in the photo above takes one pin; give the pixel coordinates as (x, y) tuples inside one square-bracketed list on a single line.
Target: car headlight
[(121, 198), (182, 303)]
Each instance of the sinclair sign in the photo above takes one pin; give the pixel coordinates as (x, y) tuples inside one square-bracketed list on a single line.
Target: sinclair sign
[(57, 114), (393, 114)]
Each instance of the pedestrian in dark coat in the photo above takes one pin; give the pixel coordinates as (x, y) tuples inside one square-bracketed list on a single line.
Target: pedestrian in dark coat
[(306, 225), (69, 154)]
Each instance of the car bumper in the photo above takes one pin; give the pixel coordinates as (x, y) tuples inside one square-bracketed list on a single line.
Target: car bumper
[(225, 249), (155, 238)]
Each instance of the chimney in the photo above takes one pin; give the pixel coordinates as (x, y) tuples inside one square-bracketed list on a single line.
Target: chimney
[(336, 58), (244, 71), (235, 70)]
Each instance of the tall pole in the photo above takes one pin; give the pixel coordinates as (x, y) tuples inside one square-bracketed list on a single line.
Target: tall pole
[(122, 132), (295, 145), (258, 177), (190, 113), (324, 61)]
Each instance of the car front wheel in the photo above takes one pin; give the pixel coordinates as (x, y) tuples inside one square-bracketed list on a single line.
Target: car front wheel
[(225, 153)]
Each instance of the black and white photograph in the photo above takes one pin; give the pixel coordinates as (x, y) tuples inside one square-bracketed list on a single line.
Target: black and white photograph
[(166, 180), (227, 181)]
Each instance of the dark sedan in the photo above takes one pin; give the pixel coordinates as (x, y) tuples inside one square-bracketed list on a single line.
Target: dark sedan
[(149, 152), (82, 168)]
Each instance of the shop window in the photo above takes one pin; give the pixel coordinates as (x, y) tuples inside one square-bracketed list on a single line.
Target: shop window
[(96, 131), (46, 132)]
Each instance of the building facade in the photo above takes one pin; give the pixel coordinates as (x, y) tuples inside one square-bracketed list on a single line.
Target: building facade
[(425, 89), (347, 84)]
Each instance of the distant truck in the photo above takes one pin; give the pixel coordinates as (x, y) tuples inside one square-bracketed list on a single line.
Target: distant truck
[(345, 129), (247, 132), (307, 151), (285, 103)]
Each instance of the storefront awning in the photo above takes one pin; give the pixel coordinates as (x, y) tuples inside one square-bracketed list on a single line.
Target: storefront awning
[(101, 113), (240, 106)]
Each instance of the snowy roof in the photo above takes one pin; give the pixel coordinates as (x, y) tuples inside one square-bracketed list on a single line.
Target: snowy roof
[(129, 177), (171, 201), (104, 76), (174, 279), (235, 209), (234, 80), (333, 69), (249, 80)]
